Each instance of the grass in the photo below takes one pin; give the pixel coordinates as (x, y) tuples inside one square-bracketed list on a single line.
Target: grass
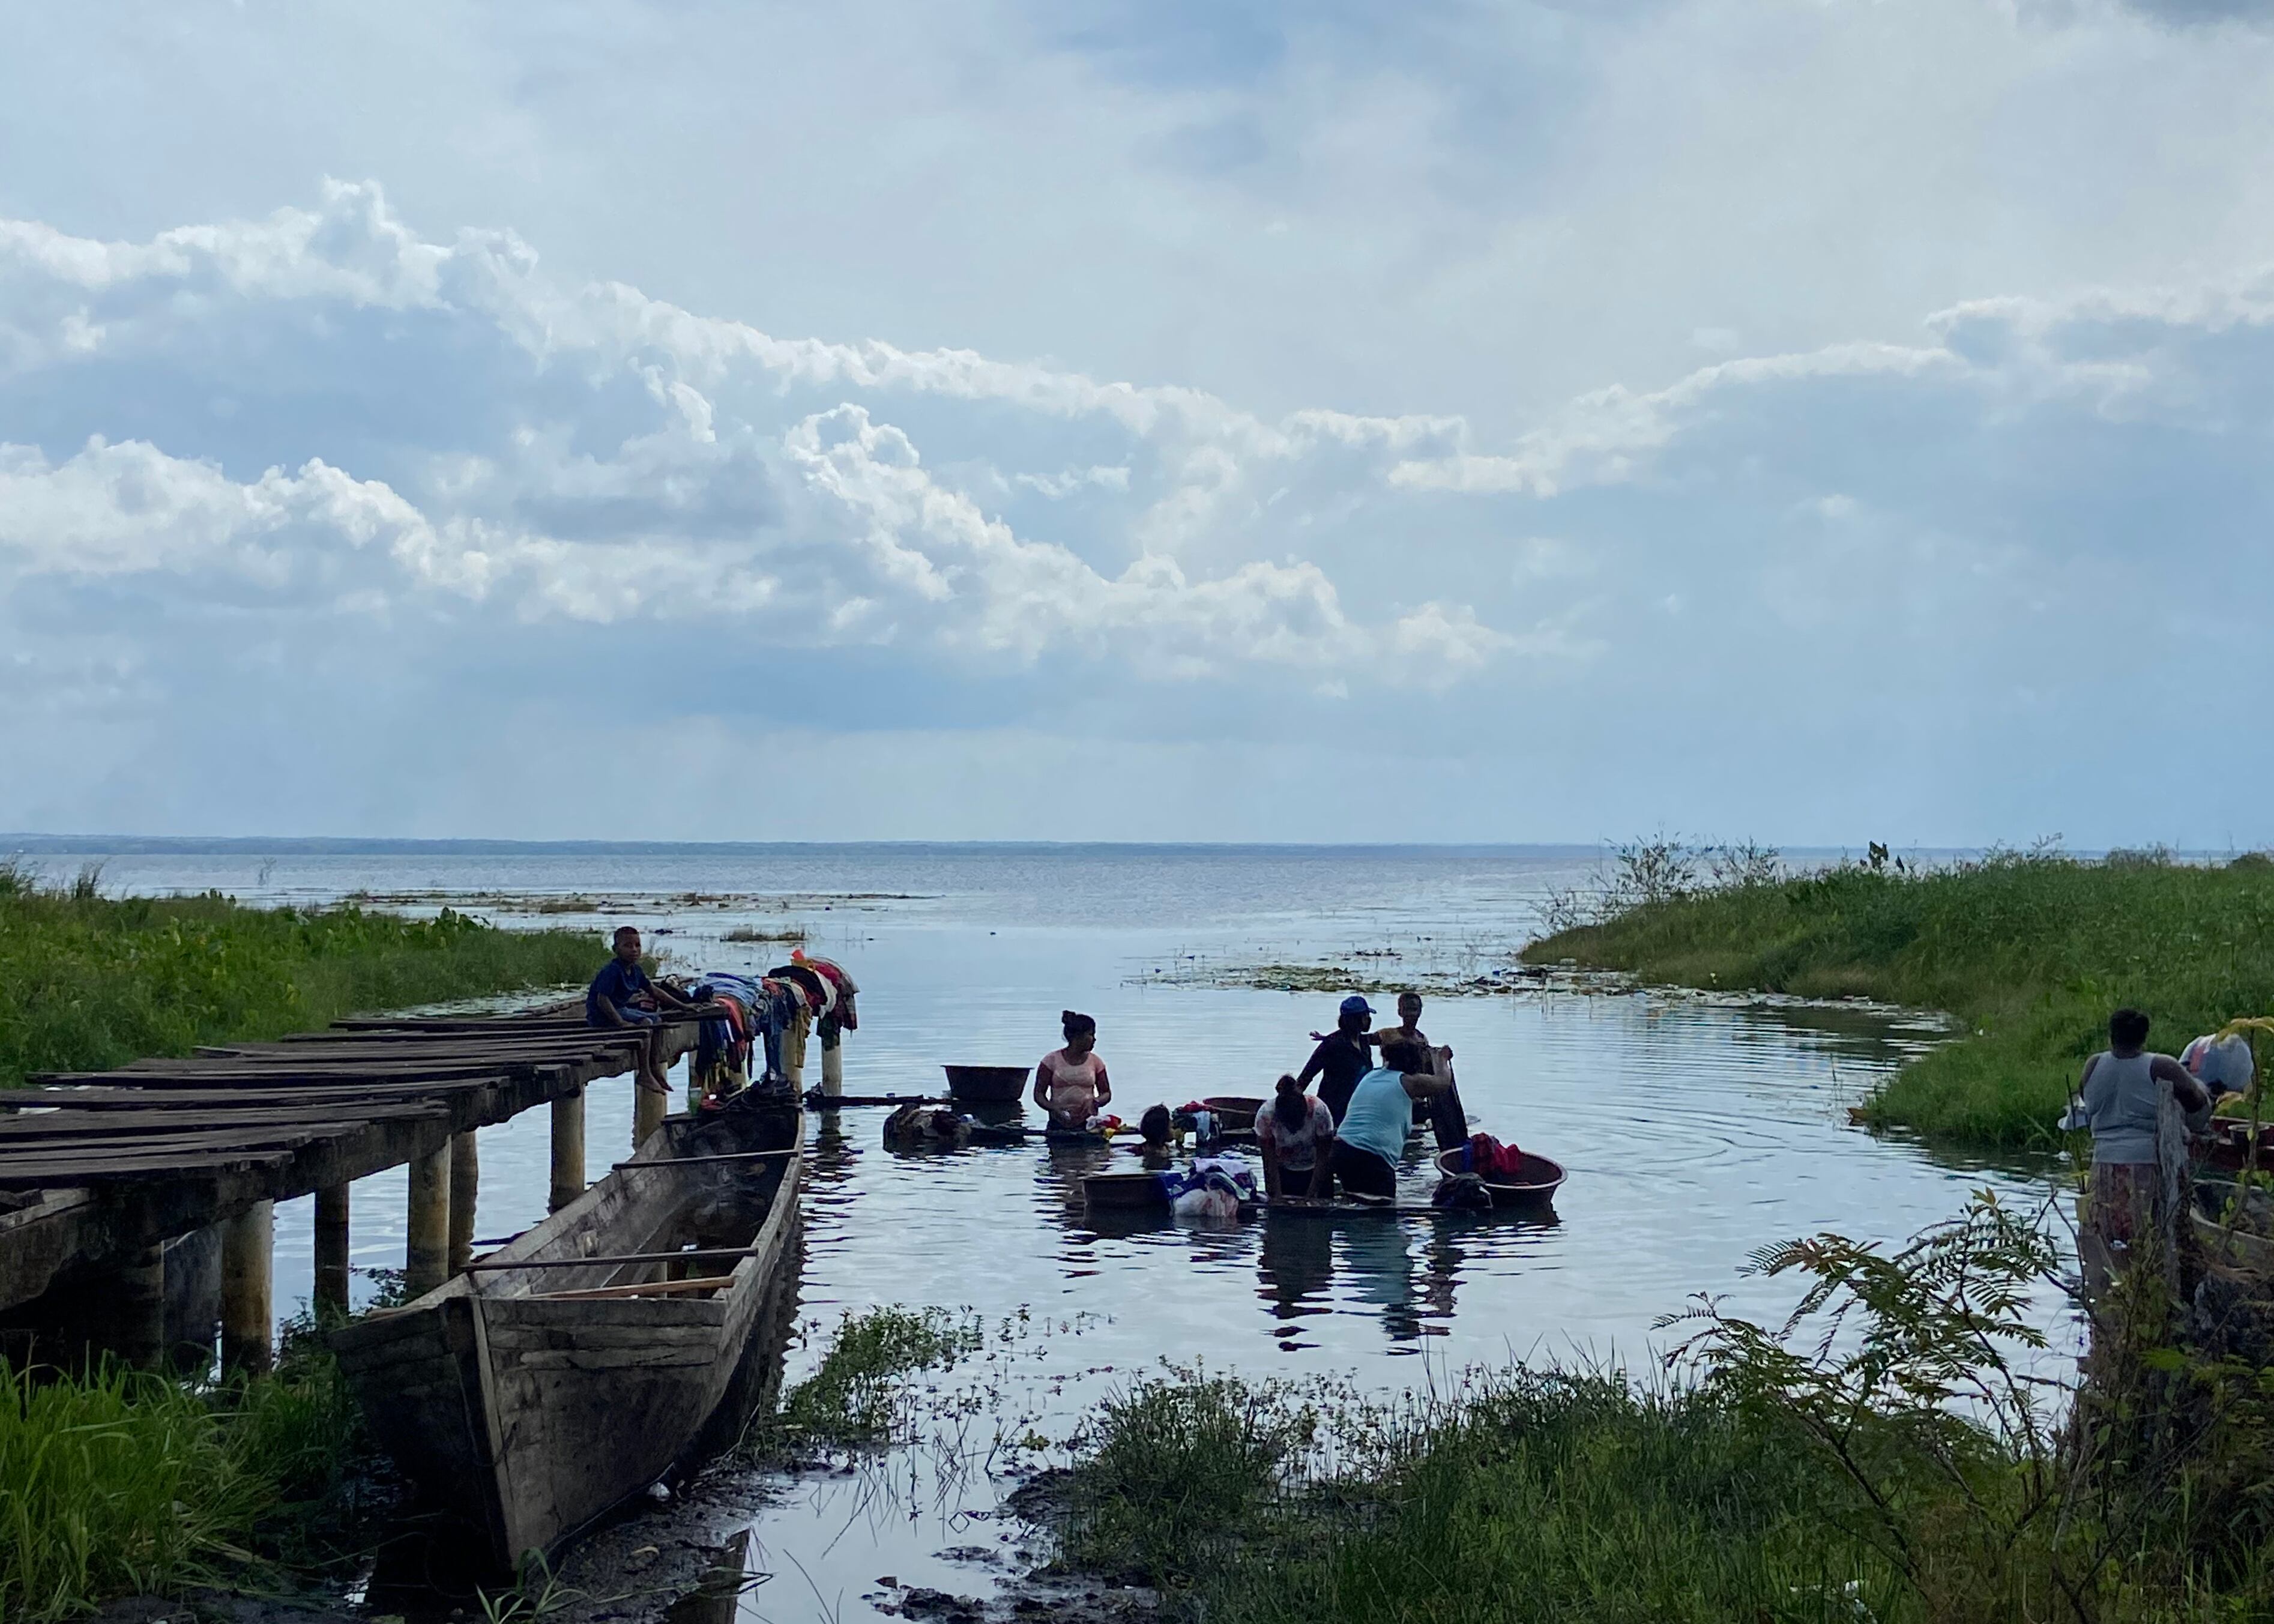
[(1545, 1496), (2031, 951), (1780, 1473), (120, 1482), (115, 1481), (94, 981)]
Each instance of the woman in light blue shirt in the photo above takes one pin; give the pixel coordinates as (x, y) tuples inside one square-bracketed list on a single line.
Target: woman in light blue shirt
[(1371, 1136)]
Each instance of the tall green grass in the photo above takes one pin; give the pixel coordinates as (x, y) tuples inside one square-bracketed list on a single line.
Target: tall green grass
[(120, 1482), (1895, 1450), (94, 981), (2031, 951)]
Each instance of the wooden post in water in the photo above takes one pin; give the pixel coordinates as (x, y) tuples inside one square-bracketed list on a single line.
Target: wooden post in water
[(426, 1255), (568, 1150), (648, 1108), (332, 1250), (138, 1309), (465, 1185), (832, 1065), (248, 1287)]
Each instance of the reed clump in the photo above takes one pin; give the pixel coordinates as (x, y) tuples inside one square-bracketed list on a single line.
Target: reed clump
[(122, 1482), (94, 981), (2029, 950)]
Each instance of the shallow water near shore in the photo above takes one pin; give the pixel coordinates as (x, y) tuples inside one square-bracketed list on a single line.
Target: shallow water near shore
[(1695, 1131)]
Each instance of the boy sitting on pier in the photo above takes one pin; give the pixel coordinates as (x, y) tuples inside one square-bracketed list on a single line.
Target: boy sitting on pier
[(622, 995)]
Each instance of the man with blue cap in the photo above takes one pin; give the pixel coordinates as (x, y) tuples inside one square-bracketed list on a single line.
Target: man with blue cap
[(1342, 1057)]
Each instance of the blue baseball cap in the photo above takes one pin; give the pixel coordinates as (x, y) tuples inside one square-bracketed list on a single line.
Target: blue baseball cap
[(1356, 1005)]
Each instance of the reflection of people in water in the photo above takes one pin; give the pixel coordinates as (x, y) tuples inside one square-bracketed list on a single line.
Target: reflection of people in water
[(1442, 1258), (1296, 1264), (1380, 1263)]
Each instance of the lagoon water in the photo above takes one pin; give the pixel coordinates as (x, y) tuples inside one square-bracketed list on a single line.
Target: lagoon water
[(1694, 1131)]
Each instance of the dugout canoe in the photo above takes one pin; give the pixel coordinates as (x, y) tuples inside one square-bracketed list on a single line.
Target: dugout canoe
[(2207, 1216), (571, 1369), (1535, 1190)]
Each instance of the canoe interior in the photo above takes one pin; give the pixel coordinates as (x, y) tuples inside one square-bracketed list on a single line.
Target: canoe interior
[(2241, 1245), (527, 1411)]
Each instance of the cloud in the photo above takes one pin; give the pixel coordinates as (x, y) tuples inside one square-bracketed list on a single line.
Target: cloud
[(265, 481), (598, 455)]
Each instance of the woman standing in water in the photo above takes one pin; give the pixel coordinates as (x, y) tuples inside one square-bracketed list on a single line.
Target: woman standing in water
[(1071, 1083)]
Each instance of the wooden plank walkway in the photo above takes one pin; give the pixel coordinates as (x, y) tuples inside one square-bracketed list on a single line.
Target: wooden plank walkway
[(95, 1164)]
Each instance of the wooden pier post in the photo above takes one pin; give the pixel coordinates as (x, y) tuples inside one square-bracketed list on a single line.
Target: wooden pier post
[(194, 1299), (832, 1066), (568, 1150), (426, 1255), (647, 1109), (248, 1288), (138, 1309), (465, 1186), (332, 1248)]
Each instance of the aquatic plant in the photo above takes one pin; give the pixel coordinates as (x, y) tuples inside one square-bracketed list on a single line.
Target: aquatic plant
[(855, 1398)]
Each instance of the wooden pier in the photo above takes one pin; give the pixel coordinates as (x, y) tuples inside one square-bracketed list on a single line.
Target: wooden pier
[(136, 1205)]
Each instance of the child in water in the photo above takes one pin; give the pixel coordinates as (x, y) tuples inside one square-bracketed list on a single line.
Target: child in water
[(1159, 1128), (1071, 1083)]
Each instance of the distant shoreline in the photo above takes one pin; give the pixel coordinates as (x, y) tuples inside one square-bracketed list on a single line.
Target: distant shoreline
[(35, 845)]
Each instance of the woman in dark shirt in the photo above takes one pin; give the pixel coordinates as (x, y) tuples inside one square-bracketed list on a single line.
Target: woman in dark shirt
[(1342, 1057)]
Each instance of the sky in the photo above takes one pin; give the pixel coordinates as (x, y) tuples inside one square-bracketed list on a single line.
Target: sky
[(1810, 421)]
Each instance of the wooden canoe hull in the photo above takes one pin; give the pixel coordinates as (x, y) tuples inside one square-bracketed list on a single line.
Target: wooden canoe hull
[(529, 1414), (1542, 1178)]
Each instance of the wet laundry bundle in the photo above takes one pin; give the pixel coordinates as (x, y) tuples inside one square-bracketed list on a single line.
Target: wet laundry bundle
[(1212, 1187), (1490, 1160)]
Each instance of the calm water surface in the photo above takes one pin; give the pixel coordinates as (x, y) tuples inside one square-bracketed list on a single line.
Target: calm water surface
[(1693, 1132)]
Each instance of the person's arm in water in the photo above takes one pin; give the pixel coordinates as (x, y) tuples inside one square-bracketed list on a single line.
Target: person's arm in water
[(2185, 1089), (1104, 1087), (1042, 1086), (1323, 1151), (1267, 1148)]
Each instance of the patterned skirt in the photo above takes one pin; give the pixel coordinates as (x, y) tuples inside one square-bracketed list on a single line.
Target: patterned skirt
[(2125, 1197)]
